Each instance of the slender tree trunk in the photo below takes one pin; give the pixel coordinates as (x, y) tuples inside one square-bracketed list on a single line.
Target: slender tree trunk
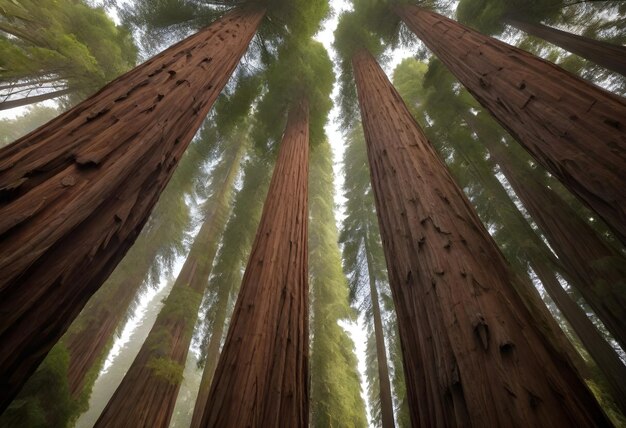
[(87, 345), (610, 56), (212, 356), (75, 193), (472, 353), (261, 379), (386, 402), (603, 354), (153, 380), (597, 270), (6, 105), (571, 127)]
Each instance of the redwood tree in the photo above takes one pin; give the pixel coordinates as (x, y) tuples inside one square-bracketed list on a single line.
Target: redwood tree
[(75, 193), (148, 392), (472, 354), (573, 128), (262, 375)]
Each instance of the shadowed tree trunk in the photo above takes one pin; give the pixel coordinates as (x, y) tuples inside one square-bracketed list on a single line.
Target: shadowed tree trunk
[(20, 102), (386, 402), (608, 55), (573, 128), (75, 193), (212, 355), (472, 354), (603, 354), (153, 380), (262, 376), (597, 269)]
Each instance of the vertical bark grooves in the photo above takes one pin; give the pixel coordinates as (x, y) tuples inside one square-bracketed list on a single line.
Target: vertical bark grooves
[(574, 129), (596, 269), (6, 105), (212, 355), (607, 55), (262, 376), (603, 354), (386, 401), (75, 193), (472, 354), (146, 397)]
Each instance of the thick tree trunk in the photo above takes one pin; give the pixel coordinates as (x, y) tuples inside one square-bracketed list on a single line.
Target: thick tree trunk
[(262, 376), (472, 354), (75, 193), (607, 55), (386, 401), (603, 354), (20, 102), (571, 127), (153, 380), (597, 269), (212, 356)]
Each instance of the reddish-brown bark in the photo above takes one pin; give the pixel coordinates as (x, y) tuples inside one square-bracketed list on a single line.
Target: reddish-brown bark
[(607, 55), (75, 193), (146, 395), (571, 127), (386, 402), (596, 268), (472, 354), (603, 354), (261, 379)]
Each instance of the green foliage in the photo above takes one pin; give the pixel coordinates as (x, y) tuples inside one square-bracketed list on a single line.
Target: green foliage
[(32, 118), (45, 401), (335, 386), (302, 70), (166, 369), (61, 43)]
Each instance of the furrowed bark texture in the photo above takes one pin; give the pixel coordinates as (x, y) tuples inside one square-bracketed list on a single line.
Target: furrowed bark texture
[(6, 105), (472, 355), (261, 379), (386, 402), (603, 354), (597, 270), (75, 193), (607, 55), (574, 129), (147, 394)]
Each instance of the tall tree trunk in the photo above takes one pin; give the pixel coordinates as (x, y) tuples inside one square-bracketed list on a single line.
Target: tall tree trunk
[(506, 213), (571, 127), (20, 102), (212, 355), (153, 380), (386, 402), (603, 354), (597, 269), (607, 55), (75, 193), (261, 379), (87, 344), (472, 353)]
